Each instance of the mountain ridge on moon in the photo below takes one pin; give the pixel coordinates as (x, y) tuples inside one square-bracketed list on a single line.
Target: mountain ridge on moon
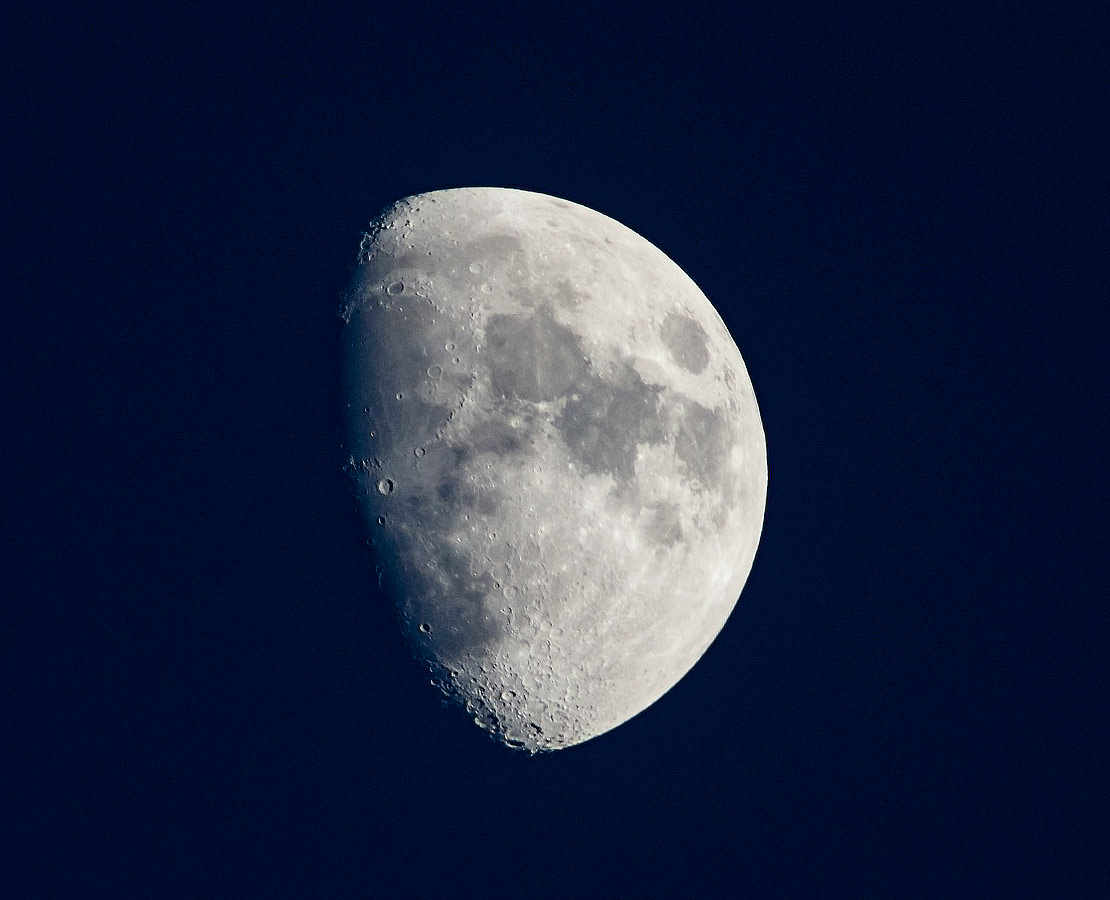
[(557, 452)]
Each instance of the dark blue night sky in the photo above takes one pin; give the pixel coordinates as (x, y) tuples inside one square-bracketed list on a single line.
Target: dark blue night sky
[(889, 208)]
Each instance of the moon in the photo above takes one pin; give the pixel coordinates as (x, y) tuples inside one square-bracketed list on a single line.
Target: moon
[(557, 453)]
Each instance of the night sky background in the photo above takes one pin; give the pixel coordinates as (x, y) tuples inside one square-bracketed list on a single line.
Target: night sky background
[(897, 213)]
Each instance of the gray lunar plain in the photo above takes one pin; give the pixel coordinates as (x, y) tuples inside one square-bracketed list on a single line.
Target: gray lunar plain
[(556, 451)]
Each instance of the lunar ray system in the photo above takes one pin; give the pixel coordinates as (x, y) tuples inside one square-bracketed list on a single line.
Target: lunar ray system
[(557, 453)]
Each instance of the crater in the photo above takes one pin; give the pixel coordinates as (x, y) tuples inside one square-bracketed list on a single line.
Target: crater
[(685, 341)]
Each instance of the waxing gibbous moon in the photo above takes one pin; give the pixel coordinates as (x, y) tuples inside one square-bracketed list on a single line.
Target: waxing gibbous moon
[(557, 453)]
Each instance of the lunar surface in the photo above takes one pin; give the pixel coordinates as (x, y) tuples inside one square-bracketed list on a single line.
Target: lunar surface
[(557, 452)]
